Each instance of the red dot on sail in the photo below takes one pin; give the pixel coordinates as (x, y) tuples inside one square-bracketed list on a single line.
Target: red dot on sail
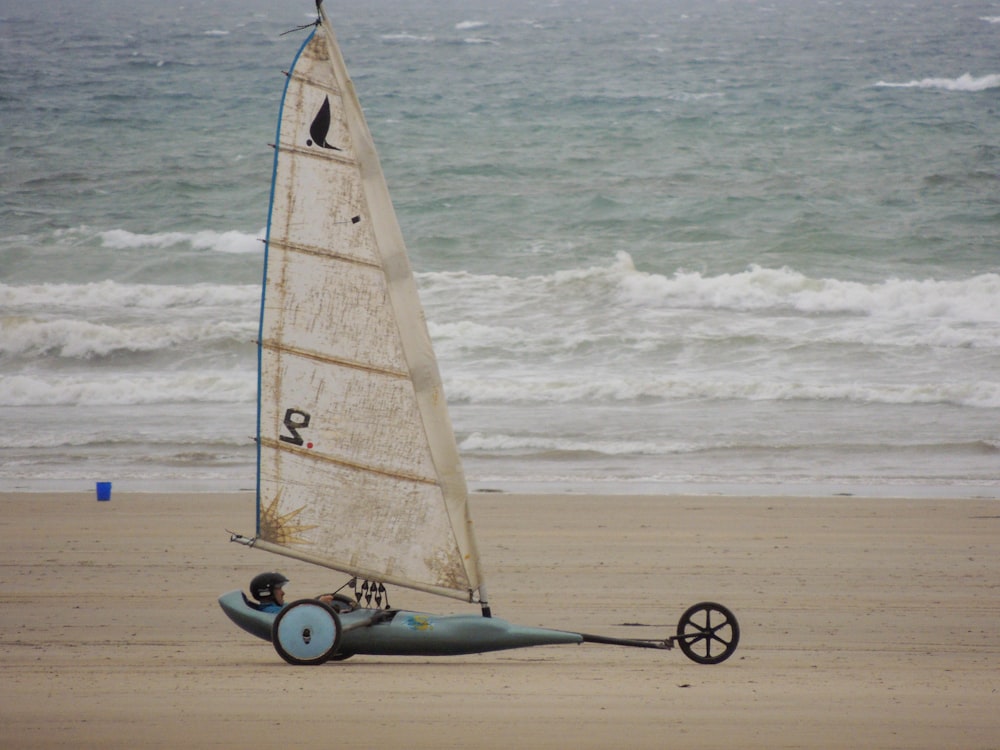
[(309, 445)]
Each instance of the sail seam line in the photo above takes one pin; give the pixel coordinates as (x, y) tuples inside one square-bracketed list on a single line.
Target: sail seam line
[(276, 445), (321, 253), (315, 83), (316, 153), (316, 357)]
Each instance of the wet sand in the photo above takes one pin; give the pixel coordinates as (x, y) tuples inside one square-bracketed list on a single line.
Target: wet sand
[(865, 623)]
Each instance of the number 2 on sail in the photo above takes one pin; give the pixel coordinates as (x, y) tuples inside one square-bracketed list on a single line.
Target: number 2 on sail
[(295, 420)]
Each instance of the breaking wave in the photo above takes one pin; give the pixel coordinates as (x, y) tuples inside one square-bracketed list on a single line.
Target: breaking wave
[(580, 306)]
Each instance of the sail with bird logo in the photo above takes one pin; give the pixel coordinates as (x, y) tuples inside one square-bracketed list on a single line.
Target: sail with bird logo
[(358, 468)]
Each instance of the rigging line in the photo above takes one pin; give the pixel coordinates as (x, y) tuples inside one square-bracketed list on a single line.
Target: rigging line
[(303, 27)]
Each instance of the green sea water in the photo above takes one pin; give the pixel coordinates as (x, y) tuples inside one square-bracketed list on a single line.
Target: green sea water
[(661, 244)]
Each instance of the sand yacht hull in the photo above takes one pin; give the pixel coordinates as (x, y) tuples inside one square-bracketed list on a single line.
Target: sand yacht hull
[(405, 633)]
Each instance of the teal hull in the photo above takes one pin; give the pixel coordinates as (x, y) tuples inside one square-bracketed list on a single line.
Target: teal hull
[(409, 633)]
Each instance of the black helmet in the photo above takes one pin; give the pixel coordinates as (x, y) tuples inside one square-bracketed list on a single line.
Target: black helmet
[(262, 586)]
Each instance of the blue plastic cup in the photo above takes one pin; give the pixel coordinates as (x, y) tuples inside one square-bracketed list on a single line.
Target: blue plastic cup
[(104, 490)]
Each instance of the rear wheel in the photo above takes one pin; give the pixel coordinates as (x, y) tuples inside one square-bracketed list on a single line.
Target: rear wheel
[(708, 633), (306, 632)]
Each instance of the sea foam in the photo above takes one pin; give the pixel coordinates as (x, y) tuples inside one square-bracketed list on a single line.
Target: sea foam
[(80, 339), (114, 294), (964, 82), (90, 389), (641, 388), (231, 241)]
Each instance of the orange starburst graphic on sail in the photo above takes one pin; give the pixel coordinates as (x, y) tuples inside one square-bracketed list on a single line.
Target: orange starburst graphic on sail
[(281, 528)]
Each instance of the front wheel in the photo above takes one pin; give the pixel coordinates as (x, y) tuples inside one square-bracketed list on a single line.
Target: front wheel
[(708, 633), (306, 632)]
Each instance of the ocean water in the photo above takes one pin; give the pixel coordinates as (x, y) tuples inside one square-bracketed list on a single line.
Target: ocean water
[(715, 246)]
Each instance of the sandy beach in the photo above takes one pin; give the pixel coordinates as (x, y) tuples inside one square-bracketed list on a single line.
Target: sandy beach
[(865, 623)]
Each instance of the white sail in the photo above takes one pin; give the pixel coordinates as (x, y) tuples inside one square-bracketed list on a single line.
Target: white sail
[(358, 469)]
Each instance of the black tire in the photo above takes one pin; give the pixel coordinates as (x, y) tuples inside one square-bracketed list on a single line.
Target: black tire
[(306, 632), (708, 633)]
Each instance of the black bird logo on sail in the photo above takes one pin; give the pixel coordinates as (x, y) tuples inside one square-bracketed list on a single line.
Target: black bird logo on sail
[(320, 127)]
